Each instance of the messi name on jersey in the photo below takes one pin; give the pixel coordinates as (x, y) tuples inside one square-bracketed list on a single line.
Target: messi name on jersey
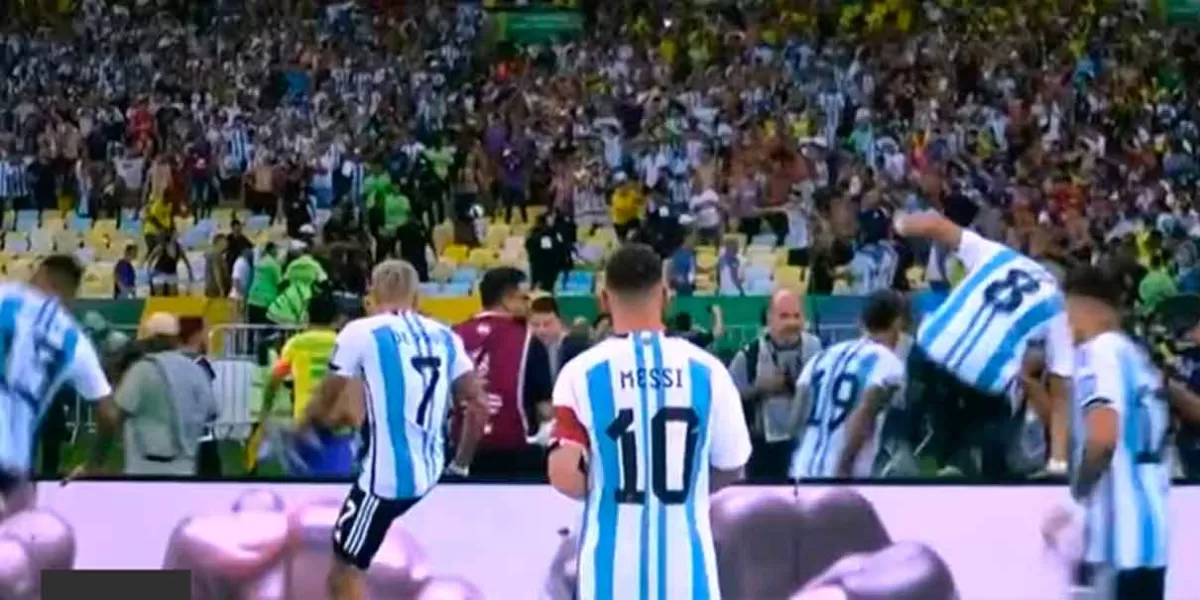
[(654, 378)]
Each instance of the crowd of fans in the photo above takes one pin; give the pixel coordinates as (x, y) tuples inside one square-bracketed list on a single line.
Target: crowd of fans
[(1067, 129)]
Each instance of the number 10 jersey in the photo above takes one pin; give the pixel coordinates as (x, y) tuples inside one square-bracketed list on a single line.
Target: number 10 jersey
[(655, 413), (981, 331)]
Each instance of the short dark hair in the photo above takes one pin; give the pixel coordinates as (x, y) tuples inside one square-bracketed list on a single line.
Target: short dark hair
[(189, 326), (883, 309), (64, 270), (1096, 283), (497, 283), (633, 269), (322, 306), (546, 305)]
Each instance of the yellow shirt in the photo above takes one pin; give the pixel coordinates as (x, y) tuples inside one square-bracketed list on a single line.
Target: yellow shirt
[(306, 358), (158, 217), (626, 204)]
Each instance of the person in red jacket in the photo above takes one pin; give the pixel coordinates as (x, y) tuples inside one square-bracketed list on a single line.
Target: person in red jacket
[(515, 367)]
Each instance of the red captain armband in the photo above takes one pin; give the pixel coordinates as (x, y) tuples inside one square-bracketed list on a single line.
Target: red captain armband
[(567, 428), (282, 368)]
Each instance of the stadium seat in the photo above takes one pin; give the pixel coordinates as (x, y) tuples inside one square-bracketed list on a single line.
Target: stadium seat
[(79, 223), (16, 243), (41, 241), (86, 255), (257, 223), (706, 261), (497, 235), (456, 252), (758, 272), (430, 289), (482, 258), (66, 240), (466, 275), (442, 271), (131, 227), (519, 229), (458, 288), (758, 287), (763, 239)]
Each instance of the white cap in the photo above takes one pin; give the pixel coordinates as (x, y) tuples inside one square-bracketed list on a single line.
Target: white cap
[(160, 324)]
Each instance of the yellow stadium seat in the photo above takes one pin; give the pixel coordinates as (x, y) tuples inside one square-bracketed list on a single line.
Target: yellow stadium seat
[(787, 276), (498, 232), (518, 229), (66, 240), (443, 236), (705, 282), (740, 238), (97, 282), (482, 258), (706, 262), (456, 252), (105, 225)]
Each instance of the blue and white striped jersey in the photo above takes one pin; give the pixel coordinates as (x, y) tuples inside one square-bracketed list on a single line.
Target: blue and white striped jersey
[(41, 348), (873, 268), (1126, 520), (14, 179), (981, 331), (407, 364), (836, 380), (656, 413)]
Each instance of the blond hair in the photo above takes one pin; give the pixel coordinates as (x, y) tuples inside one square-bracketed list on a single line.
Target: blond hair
[(394, 282)]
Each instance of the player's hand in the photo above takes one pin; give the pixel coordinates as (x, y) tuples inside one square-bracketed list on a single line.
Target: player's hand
[(79, 472), (1061, 528)]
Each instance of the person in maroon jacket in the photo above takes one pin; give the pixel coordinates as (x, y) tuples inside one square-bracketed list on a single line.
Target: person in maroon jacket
[(515, 368)]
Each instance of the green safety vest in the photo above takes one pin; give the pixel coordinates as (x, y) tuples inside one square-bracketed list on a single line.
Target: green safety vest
[(304, 270), (291, 306), (264, 286), (396, 212)]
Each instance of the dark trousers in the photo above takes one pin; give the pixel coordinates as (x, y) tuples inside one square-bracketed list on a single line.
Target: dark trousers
[(520, 464), (208, 459), (769, 461), (971, 430), (54, 433), (1127, 584)]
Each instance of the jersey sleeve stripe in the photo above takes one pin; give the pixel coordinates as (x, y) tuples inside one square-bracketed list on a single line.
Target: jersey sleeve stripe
[(973, 333), (603, 405), (639, 357), (393, 407), (954, 305), (700, 378), (424, 348), (990, 377), (660, 402), (1132, 432)]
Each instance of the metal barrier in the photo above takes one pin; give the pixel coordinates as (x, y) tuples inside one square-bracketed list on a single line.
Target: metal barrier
[(237, 354)]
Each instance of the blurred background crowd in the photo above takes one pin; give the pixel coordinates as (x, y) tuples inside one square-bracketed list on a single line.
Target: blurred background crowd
[(263, 153)]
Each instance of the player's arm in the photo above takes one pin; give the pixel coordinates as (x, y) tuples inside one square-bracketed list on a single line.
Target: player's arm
[(468, 393), (570, 448), (1060, 369), (971, 248), (885, 382), (344, 364), (87, 378), (802, 400), (1100, 394), (729, 445), (279, 372)]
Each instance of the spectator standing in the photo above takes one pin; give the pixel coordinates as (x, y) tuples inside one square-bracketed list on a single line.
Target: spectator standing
[(216, 273), (236, 244), (124, 274), (729, 269), (166, 402), (193, 338), (515, 367), (163, 262), (548, 253), (765, 371), (681, 269), (264, 285)]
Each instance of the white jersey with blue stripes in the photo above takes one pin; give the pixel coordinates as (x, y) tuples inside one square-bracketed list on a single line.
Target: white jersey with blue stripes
[(1126, 519), (981, 331), (408, 364), (657, 413), (41, 348), (836, 380)]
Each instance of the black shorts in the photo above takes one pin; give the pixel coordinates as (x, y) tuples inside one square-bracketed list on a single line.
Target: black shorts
[(363, 522), (1127, 584)]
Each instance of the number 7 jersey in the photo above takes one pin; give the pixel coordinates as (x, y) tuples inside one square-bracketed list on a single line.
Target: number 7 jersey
[(655, 413)]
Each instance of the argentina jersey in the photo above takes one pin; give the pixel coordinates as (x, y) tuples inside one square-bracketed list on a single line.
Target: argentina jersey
[(873, 268), (41, 348), (408, 364), (981, 331), (655, 414), (836, 380), (1125, 523)]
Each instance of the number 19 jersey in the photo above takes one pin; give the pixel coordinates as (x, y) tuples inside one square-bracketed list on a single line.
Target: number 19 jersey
[(1125, 526), (836, 380), (655, 413), (981, 331)]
